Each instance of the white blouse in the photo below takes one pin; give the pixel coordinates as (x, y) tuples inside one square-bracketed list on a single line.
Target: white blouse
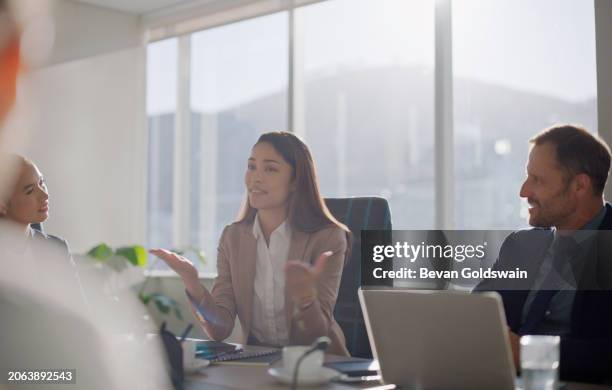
[(269, 323)]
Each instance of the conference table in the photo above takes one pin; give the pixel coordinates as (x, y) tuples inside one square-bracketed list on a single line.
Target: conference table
[(256, 377), (238, 377)]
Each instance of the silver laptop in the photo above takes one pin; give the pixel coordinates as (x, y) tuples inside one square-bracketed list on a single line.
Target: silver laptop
[(439, 339)]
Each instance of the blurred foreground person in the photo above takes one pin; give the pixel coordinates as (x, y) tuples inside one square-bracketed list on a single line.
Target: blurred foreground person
[(43, 328)]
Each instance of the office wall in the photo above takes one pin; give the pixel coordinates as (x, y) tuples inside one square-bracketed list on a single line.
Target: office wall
[(88, 135), (88, 142), (83, 30)]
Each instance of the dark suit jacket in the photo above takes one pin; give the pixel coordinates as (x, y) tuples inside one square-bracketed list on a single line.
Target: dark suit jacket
[(47, 247), (59, 245), (586, 352)]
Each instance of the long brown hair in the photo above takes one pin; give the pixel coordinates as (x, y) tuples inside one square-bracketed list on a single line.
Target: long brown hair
[(307, 210)]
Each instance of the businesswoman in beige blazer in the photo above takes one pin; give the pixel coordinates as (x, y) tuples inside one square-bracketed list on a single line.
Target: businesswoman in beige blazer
[(279, 265)]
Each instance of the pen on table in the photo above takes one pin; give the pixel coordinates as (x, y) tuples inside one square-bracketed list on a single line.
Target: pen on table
[(186, 332)]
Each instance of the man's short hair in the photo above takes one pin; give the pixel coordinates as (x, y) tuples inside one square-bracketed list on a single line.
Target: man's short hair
[(579, 151)]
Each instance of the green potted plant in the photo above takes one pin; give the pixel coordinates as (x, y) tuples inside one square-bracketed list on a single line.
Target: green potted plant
[(132, 261)]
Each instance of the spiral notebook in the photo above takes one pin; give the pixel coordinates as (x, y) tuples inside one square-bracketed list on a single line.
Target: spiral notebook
[(262, 357), (224, 353)]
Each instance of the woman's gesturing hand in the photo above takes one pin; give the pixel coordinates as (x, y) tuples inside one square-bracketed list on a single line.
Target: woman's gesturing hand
[(301, 278), (179, 264)]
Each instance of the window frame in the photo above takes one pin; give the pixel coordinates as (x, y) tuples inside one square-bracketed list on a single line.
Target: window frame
[(189, 20)]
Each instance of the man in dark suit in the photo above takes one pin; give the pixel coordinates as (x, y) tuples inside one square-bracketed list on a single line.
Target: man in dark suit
[(568, 254)]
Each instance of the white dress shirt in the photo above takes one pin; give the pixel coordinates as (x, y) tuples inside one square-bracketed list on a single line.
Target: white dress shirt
[(269, 323)]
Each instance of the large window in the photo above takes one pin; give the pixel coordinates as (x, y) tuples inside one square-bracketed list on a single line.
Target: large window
[(364, 101), (238, 91), (519, 66), (231, 85), (357, 80)]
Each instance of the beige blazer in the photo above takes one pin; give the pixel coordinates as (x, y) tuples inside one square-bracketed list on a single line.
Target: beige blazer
[(233, 288)]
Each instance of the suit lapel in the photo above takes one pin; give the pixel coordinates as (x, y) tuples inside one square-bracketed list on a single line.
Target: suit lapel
[(247, 256), (540, 302), (297, 251), (533, 267)]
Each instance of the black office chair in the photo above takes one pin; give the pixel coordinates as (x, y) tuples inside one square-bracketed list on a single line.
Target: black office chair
[(365, 213)]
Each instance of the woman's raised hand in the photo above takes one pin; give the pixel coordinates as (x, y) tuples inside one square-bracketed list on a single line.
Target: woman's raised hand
[(189, 273), (301, 277), (179, 264)]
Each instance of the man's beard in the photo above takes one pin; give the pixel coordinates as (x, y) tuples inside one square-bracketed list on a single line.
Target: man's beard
[(548, 216)]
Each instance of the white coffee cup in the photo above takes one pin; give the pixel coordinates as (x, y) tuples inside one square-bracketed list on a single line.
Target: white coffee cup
[(310, 365), (190, 362)]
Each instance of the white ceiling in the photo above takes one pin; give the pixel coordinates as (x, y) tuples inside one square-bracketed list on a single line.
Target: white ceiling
[(140, 7)]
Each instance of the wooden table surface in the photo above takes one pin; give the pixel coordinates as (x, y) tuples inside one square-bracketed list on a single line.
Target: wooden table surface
[(252, 377), (230, 376)]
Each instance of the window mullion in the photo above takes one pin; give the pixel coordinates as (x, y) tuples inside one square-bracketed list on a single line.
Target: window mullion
[(291, 72), (444, 142), (182, 141)]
